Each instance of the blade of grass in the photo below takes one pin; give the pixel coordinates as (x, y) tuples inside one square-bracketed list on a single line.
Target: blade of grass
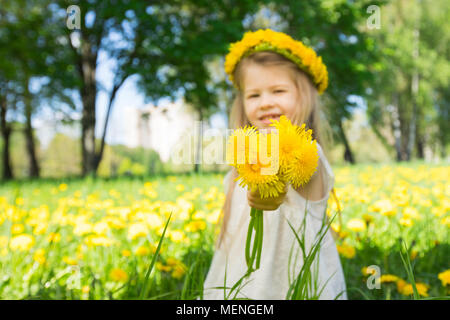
[(404, 254), (145, 289)]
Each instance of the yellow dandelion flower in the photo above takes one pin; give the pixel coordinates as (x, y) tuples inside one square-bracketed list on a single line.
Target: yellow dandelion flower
[(195, 226), (17, 228), (289, 139), (82, 228), (126, 253), (356, 225), (343, 234), (162, 267), (22, 242), (154, 221), (70, 261), (445, 277), (178, 271), (100, 228), (422, 289), (118, 275), (40, 228), (413, 254), (407, 222), (53, 237), (401, 285), (411, 212), (387, 278), (266, 185), (385, 207), (3, 241), (297, 152), (142, 251), (346, 251), (136, 230), (199, 215), (367, 218), (241, 144), (177, 236), (366, 271), (101, 241), (214, 216), (39, 256), (446, 221)]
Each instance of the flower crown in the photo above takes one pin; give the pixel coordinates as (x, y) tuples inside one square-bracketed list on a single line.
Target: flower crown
[(268, 40)]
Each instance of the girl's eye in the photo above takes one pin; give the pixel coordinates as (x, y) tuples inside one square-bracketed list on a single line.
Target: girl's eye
[(253, 96), (277, 91)]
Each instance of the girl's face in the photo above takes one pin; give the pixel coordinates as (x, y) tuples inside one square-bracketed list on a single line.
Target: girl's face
[(268, 93)]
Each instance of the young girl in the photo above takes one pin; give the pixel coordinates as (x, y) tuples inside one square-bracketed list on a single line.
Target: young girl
[(273, 81)]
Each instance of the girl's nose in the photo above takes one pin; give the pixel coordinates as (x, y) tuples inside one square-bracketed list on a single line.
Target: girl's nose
[(266, 101)]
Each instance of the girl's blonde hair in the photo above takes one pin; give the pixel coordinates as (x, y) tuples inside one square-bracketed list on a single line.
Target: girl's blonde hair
[(308, 111)]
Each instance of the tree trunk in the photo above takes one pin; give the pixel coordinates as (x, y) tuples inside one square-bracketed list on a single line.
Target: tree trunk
[(414, 92), (395, 126), (198, 153), (30, 145), (88, 95), (7, 173), (98, 157), (348, 154)]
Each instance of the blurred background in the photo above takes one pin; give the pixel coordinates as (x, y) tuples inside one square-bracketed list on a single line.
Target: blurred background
[(108, 88), (97, 96)]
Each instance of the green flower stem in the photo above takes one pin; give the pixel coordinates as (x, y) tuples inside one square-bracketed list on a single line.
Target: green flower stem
[(249, 239), (256, 223), (260, 237)]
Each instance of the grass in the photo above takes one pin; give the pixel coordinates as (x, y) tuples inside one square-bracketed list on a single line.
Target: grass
[(171, 260)]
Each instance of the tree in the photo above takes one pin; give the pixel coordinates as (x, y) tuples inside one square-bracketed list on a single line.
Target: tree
[(202, 32), (408, 92), (33, 49)]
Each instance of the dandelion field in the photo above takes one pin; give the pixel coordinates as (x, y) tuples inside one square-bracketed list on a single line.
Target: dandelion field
[(97, 239)]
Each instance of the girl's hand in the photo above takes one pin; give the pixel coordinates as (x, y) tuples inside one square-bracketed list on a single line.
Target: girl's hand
[(268, 204)]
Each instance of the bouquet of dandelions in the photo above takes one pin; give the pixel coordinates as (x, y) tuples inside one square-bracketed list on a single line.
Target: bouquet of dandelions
[(267, 161)]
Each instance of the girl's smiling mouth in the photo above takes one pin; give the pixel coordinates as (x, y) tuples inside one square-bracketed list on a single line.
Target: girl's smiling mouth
[(266, 118)]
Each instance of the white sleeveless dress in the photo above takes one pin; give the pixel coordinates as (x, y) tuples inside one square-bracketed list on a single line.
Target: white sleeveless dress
[(271, 281)]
